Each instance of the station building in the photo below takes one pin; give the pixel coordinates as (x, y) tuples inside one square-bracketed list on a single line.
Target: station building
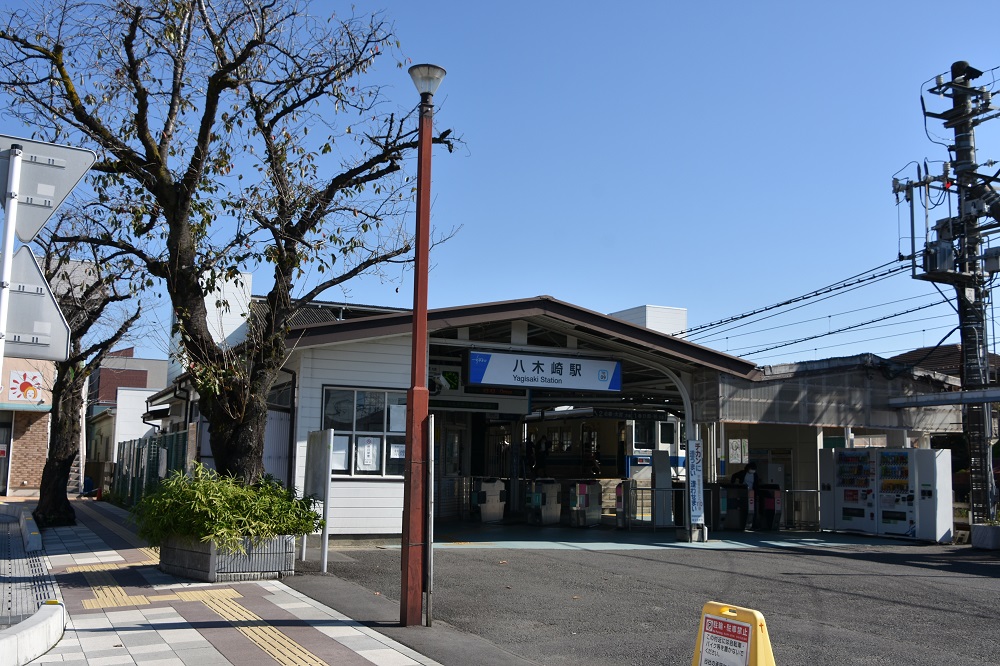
[(602, 390)]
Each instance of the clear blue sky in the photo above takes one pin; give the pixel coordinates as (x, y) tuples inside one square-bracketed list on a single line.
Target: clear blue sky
[(715, 156)]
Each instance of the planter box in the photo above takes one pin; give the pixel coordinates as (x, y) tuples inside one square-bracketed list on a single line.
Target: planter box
[(986, 536), (201, 561)]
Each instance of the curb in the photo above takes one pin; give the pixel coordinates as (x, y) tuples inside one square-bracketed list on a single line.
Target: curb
[(33, 637), (29, 532)]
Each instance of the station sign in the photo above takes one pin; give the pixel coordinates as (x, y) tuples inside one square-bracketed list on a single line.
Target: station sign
[(526, 370)]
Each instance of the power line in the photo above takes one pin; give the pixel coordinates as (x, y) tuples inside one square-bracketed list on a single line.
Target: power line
[(841, 330), (860, 327), (806, 321), (827, 296), (881, 337), (836, 286)]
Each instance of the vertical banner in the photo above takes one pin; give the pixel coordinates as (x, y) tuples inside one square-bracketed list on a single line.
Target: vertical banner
[(696, 488)]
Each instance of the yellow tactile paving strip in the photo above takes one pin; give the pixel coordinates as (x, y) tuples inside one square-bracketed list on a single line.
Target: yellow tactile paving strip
[(108, 594), (281, 648)]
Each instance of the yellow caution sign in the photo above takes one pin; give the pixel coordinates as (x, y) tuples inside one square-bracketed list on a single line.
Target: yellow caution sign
[(732, 636)]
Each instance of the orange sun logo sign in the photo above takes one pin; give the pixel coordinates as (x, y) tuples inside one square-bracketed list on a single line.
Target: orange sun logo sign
[(25, 386)]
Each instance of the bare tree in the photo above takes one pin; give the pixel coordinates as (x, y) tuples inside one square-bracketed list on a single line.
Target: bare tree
[(231, 135), (94, 289)]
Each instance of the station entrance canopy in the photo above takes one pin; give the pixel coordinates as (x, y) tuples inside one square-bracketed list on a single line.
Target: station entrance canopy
[(625, 366)]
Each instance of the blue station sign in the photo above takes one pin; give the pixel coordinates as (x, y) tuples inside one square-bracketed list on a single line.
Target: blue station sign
[(546, 372)]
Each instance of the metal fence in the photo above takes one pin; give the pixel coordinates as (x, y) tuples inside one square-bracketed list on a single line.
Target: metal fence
[(143, 462), (665, 508)]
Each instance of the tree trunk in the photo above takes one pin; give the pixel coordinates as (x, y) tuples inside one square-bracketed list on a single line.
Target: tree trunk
[(238, 446), (54, 508)]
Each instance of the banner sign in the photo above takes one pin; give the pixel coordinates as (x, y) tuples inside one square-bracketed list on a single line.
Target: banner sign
[(695, 462), (545, 372)]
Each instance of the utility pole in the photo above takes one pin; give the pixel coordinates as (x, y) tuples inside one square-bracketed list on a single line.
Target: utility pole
[(956, 257)]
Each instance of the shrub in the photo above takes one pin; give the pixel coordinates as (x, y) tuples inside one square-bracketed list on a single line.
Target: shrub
[(206, 506)]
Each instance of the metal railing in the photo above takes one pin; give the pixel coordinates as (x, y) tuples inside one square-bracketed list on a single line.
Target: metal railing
[(143, 462), (801, 510), (662, 508)]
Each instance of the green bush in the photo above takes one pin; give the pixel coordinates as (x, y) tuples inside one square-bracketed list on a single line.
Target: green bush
[(206, 506)]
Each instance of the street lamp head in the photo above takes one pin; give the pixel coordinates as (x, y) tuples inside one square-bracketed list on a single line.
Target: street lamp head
[(427, 78)]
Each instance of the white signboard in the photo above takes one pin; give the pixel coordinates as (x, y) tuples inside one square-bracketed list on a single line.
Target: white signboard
[(48, 174), (724, 642), (36, 328), (545, 372), (696, 482)]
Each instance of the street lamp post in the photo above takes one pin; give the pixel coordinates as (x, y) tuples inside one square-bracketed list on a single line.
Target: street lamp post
[(427, 78)]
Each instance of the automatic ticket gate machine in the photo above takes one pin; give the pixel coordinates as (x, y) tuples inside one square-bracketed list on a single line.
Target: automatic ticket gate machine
[(544, 502), (489, 496)]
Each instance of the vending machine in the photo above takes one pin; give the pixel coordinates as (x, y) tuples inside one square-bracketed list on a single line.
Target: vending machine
[(935, 510), (897, 495), (854, 490), (915, 494), (890, 492)]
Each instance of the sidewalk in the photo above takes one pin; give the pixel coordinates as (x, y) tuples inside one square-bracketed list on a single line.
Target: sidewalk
[(123, 610)]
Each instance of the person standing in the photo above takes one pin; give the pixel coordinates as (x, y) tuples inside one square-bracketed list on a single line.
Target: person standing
[(529, 458), (542, 456)]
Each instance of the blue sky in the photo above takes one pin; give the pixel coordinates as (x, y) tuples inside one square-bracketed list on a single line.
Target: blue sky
[(715, 156)]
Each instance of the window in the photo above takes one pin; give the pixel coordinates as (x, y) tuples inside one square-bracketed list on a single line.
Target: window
[(367, 426), (666, 433), (642, 437)]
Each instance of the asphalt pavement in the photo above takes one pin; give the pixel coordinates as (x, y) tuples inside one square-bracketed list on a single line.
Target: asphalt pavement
[(559, 595)]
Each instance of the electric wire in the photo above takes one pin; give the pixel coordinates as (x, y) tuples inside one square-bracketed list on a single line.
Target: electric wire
[(823, 290), (840, 330), (952, 331), (860, 327), (813, 319), (825, 296)]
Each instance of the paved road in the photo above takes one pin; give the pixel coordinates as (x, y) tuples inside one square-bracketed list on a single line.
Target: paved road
[(564, 596)]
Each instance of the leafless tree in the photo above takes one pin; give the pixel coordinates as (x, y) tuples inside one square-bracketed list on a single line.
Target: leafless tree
[(231, 135)]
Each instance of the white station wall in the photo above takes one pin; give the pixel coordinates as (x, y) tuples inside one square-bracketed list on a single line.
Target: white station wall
[(360, 505)]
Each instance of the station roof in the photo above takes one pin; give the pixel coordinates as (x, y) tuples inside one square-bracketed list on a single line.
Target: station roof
[(554, 327)]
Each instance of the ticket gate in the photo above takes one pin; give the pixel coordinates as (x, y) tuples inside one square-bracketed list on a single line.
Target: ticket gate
[(489, 498), (585, 503), (544, 502)]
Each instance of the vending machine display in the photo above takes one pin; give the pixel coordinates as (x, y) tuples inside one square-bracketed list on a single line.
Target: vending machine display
[(854, 497), (896, 493)]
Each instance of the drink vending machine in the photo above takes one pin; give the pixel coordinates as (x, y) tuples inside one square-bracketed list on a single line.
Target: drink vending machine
[(890, 492), (850, 489), (915, 494)]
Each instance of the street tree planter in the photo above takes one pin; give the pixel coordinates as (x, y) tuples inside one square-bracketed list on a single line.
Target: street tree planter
[(202, 560), (985, 536), (217, 528)]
